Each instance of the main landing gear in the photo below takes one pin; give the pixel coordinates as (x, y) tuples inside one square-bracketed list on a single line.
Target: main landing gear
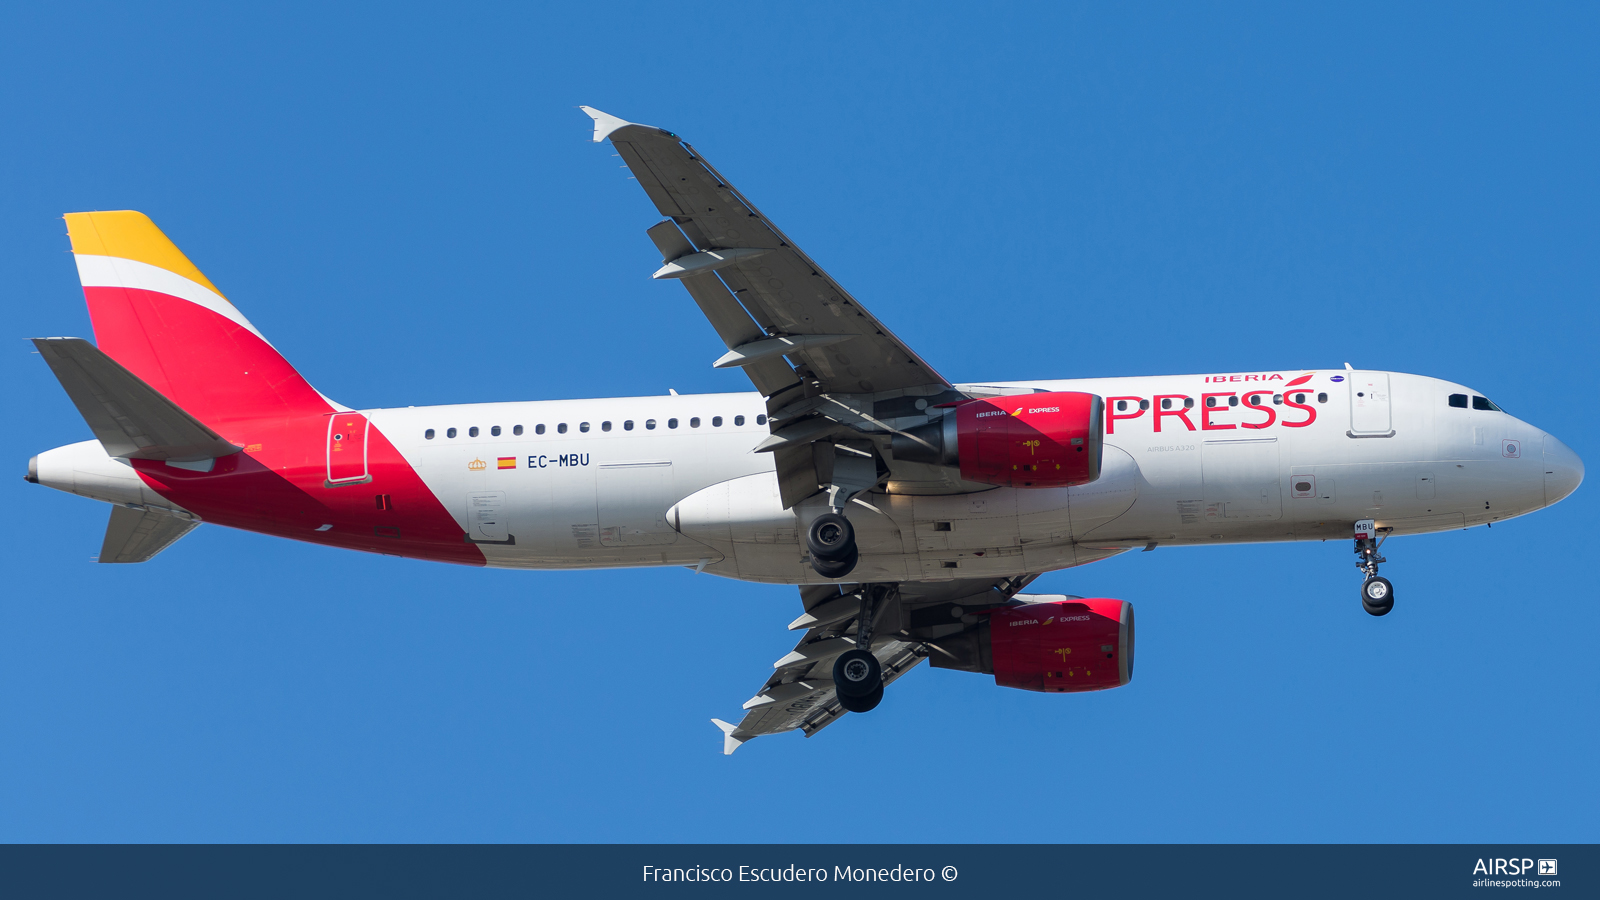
[(1377, 594), (831, 540), (857, 674)]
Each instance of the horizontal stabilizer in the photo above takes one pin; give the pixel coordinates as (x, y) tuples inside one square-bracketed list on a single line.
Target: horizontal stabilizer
[(134, 535), (130, 418)]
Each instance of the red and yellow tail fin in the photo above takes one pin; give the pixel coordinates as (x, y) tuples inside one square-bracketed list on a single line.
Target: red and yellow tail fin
[(162, 319)]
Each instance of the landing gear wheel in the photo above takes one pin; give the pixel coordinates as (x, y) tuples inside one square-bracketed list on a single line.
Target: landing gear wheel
[(856, 674), (831, 537), (1377, 596), (829, 568), (862, 704)]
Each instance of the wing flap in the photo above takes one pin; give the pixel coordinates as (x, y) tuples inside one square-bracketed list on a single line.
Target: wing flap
[(723, 311), (801, 697)]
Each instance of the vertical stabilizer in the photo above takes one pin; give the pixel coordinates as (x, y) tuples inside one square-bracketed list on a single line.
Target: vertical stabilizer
[(163, 320)]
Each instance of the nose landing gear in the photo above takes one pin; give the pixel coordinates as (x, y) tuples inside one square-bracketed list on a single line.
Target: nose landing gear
[(1377, 594)]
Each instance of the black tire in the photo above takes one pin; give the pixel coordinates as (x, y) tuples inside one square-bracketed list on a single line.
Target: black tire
[(862, 704), (829, 568), (1377, 596), (857, 673), (831, 537)]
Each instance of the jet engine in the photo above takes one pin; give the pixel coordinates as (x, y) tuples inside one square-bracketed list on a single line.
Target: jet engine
[(1026, 440), (1057, 646)]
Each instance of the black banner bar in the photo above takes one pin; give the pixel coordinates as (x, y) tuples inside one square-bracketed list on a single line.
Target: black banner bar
[(176, 872)]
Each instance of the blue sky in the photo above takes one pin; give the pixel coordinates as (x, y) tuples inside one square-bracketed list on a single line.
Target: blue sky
[(406, 203)]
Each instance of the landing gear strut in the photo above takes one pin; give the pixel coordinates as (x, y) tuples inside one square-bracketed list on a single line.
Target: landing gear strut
[(830, 539), (857, 674), (1377, 594)]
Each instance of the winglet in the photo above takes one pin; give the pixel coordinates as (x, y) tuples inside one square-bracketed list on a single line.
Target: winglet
[(605, 124), (729, 742)]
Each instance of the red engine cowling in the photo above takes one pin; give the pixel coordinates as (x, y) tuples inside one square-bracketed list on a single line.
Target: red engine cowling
[(1071, 645), (1027, 440)]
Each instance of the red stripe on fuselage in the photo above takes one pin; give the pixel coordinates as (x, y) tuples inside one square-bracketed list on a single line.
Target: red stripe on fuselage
[(279, 489), (239, 386)]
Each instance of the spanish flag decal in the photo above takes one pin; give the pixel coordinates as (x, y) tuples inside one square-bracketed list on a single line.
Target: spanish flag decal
[(507, 462)]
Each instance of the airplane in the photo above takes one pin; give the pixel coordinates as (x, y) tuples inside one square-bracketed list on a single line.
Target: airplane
[(911, 512)]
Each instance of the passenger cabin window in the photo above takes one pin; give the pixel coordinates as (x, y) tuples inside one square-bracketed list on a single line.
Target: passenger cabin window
[(1122, 406), (473, 431), (562, 428), (428, 434), (1144, 404), (716, 421), (761, 420), (627, 425), (1459, 401), (649, 424), (1166, 403), (516, 429), (738, 420), (1299, 398), (1322, 398), (495, 431), (538, 429), (672, 423), (583, 427), (1188, 403), (450, 432), (1277, 399), (605, 426), (694, 422), (1485, 404)]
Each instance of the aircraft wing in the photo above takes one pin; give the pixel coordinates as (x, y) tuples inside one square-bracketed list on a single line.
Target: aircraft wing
[(767, 299), (799, 694)]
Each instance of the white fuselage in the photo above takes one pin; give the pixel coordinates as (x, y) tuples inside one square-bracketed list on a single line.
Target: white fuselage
[(584, 490)]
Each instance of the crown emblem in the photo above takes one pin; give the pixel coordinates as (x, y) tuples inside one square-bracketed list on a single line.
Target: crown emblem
[(477, 465)]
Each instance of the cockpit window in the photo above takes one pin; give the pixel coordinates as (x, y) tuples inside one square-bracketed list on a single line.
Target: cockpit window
[(1484, 403), (1459, 401)]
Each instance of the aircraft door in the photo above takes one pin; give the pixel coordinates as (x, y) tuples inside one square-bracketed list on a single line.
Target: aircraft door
[(347, 449), (1241, 479), (1369, 405), (633, 499)]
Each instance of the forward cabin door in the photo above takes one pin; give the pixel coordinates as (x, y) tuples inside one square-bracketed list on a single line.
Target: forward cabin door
[(347, 449), (1370, 415)]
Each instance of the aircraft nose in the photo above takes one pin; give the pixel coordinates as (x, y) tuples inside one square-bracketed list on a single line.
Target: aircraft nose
[(1563, 470)]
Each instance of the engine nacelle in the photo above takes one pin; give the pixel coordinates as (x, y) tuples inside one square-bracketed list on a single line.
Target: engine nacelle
[(1025, 440), (1057, 646)]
